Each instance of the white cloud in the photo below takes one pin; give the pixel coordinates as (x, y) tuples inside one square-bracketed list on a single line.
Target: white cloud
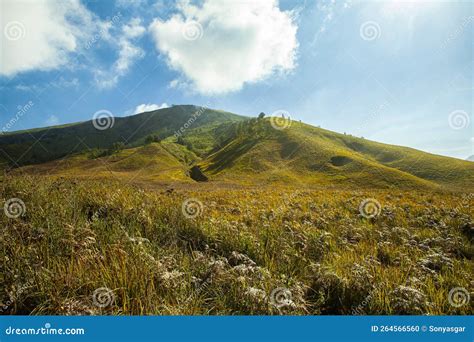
[(52, 120), (60, 82), (43, 35), (240, 42), (149, 107), (134, 28), (179, 84), (129, 54), (40, 35), (174, 84)]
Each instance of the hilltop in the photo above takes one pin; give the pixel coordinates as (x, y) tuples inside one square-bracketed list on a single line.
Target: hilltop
[(233, 149), (45, 144)]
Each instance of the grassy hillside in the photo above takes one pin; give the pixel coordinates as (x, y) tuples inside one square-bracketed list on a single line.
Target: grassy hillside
[(310, 155), (231, 149), (155, 162), (46, 144), (294, 221)]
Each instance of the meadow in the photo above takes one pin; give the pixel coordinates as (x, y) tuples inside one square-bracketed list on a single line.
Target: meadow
[(80, 247)]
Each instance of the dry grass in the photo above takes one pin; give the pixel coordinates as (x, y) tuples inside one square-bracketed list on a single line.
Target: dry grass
[(253, 251)]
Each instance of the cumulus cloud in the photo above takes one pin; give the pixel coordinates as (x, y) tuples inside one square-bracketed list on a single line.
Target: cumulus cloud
[(128, 51), (43, 35), (129, 54), (221, 45), (149, 107), (40, 35)]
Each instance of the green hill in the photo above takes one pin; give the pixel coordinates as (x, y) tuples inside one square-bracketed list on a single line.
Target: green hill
[(50, 143), (303, 153), (155, 162), (232, 149)]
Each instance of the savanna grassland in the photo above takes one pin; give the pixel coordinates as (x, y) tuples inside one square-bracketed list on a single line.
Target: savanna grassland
[(102, 247), (190, 210)]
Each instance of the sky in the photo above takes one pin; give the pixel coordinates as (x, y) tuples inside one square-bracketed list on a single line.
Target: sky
[(398, 72)]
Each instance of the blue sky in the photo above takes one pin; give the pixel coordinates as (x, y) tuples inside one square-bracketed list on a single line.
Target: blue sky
[(391, 71)]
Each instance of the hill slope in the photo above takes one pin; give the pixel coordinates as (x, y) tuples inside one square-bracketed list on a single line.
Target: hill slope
[(155, 162), (306, 154), (231, 149), (50, 143)]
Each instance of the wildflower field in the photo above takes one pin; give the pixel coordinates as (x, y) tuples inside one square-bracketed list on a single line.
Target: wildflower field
[(78, 247)]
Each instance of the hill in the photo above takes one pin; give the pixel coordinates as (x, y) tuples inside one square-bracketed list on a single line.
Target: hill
[(232, 149), (327, 222), (154, 162), (306, 154), (50, 143)]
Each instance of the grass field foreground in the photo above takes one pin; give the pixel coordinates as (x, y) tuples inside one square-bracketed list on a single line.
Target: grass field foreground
[(100, 247)]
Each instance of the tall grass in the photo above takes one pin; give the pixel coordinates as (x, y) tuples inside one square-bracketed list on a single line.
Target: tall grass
[(257, 251)]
